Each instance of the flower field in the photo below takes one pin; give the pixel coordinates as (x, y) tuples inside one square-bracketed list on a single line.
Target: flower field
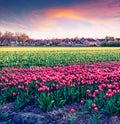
[(54, 87), (55, 56), (52, 79)]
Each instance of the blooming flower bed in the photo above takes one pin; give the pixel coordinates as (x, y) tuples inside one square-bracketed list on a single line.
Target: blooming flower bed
[(97, 85), (55, 56)]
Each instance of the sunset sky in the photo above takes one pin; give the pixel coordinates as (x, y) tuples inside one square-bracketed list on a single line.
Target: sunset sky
[(61, 18)]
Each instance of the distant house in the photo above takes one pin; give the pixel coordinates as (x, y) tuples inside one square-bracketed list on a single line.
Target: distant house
[(79, 45), (0, 43), (62, 43), (13, 43), (117, 39), (109, 38), (92, 42), (5, 42), (19, 43), (27, 43)]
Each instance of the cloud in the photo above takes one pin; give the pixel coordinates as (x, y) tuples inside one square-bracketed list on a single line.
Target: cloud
[(17, 25), (103, 15), (94, 13)]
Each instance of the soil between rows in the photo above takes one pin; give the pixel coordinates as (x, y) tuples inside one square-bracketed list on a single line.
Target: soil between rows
[(31, 114)]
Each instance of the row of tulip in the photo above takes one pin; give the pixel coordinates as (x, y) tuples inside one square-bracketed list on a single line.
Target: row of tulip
[(29, 57), (97, 84)]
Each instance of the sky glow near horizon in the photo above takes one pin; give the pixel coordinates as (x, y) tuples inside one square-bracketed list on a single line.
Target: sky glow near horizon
[(61, 19)]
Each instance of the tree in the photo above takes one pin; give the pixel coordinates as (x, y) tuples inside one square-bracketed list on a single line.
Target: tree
[(24, 37), (21, 37), (8, 35)]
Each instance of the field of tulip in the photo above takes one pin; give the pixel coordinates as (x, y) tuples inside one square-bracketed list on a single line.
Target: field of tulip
[(53, 56), (50, 87), (54, 78)]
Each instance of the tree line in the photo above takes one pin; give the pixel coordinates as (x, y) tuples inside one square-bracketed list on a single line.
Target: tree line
[(18, 36), (21, 39), (111, 44)]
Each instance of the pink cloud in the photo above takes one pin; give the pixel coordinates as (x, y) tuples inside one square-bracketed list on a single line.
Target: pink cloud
[(101, 14), (13, 24), (94, 13)]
